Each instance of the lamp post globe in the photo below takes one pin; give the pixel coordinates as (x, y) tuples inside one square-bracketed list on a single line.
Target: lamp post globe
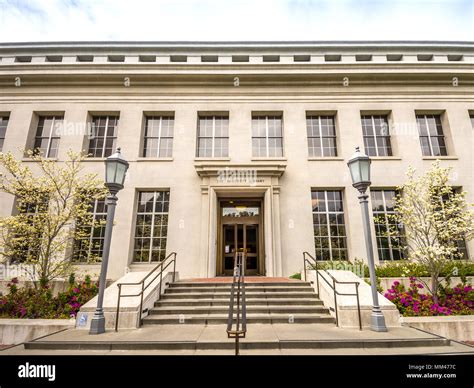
[(115, 171)]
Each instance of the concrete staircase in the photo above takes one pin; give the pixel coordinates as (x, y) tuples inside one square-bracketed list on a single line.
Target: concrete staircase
[(207, 303), (285, 317)]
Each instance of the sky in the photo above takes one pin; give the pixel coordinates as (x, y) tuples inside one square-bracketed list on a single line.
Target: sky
[(235, 20)]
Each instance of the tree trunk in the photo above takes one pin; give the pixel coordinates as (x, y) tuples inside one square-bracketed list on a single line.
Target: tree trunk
[(434, 287)]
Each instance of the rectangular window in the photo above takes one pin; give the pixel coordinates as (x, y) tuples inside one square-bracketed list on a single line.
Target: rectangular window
[(431, 135), (103, 137), (462, 252), (321, 136), (267, 136), (376, 135), (213, 136), (388, 247), (159, 137), (328, 223), (3, 130), (26, 241), (89, 243), (47, 136), (151, 228), (472, 120)]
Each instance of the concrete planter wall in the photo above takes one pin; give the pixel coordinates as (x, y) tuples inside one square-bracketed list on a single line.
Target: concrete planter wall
[(129, 306), (17, 331), (386, 283), (458, 328), (347, 305)]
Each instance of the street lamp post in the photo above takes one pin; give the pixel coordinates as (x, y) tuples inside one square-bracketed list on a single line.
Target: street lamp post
[(359, 166), (115, 169)]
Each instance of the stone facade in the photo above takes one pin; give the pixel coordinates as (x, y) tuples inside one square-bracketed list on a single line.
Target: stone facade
[(239, 80)]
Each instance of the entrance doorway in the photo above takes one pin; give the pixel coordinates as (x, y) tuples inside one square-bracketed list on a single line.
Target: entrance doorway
[(241, 231)]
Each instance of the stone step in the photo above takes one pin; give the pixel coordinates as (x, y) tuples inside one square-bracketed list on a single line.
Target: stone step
[(278, 309), (248, 295), (244, 344), (228, 285), (214, 319), (250, 302), (175, 290)]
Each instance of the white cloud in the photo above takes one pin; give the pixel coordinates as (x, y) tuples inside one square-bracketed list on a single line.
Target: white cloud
[(168, 20)]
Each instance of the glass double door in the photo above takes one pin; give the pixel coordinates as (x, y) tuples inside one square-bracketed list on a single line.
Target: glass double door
[(240, 238)]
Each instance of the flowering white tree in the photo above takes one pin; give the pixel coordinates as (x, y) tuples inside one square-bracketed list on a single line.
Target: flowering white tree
[(435, 218), (50, 198)]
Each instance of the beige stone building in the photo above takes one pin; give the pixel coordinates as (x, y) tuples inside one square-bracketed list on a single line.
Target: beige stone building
[(242, 145)]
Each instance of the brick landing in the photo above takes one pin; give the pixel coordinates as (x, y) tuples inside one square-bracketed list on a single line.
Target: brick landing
[(248, 279)]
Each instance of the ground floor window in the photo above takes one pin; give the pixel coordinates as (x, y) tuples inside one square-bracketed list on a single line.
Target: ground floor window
[(151, 228), (90, 233), (389, 245), (328, 223)]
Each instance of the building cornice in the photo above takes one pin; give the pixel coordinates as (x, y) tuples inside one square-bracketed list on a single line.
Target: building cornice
[(233, 45)]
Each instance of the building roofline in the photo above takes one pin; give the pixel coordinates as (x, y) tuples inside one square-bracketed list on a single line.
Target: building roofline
[(243, 44)]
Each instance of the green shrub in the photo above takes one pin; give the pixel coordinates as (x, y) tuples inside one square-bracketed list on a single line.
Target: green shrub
[(296, 276)]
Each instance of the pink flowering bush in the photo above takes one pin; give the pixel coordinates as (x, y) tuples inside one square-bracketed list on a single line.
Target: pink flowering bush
[(451, 301), (40, 302)]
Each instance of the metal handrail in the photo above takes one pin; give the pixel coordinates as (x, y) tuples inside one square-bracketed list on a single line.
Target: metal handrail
[(143, 287), (314, 263), (238, 290)]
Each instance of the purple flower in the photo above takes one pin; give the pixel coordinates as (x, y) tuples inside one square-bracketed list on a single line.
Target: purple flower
[(420, 285), (396, 283)]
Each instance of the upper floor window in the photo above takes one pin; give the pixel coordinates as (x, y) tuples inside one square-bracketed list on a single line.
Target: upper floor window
[(321, 136), (328, 224), (472, 119), (376, 135), (213, 136), (267, 136), (103, 136), (388, 233), (3, 130), (158, 137), (431, 135), (47, 136)]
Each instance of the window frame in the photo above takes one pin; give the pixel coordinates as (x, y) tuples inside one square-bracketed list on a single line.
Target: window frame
[(400, 235), (374, 135), (151, 236), (311, 117), (429, 136), (328, 225), (4, 120), (39, 137), (257, 117), (159, 138), (105, 137), (213, 136), (94, 214)]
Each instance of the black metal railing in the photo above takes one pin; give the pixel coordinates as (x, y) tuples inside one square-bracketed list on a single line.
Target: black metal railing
[(237, 302), (314, 264), (158, 271)]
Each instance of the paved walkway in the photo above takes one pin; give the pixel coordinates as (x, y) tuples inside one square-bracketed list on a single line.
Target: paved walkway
[(272, 339)]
